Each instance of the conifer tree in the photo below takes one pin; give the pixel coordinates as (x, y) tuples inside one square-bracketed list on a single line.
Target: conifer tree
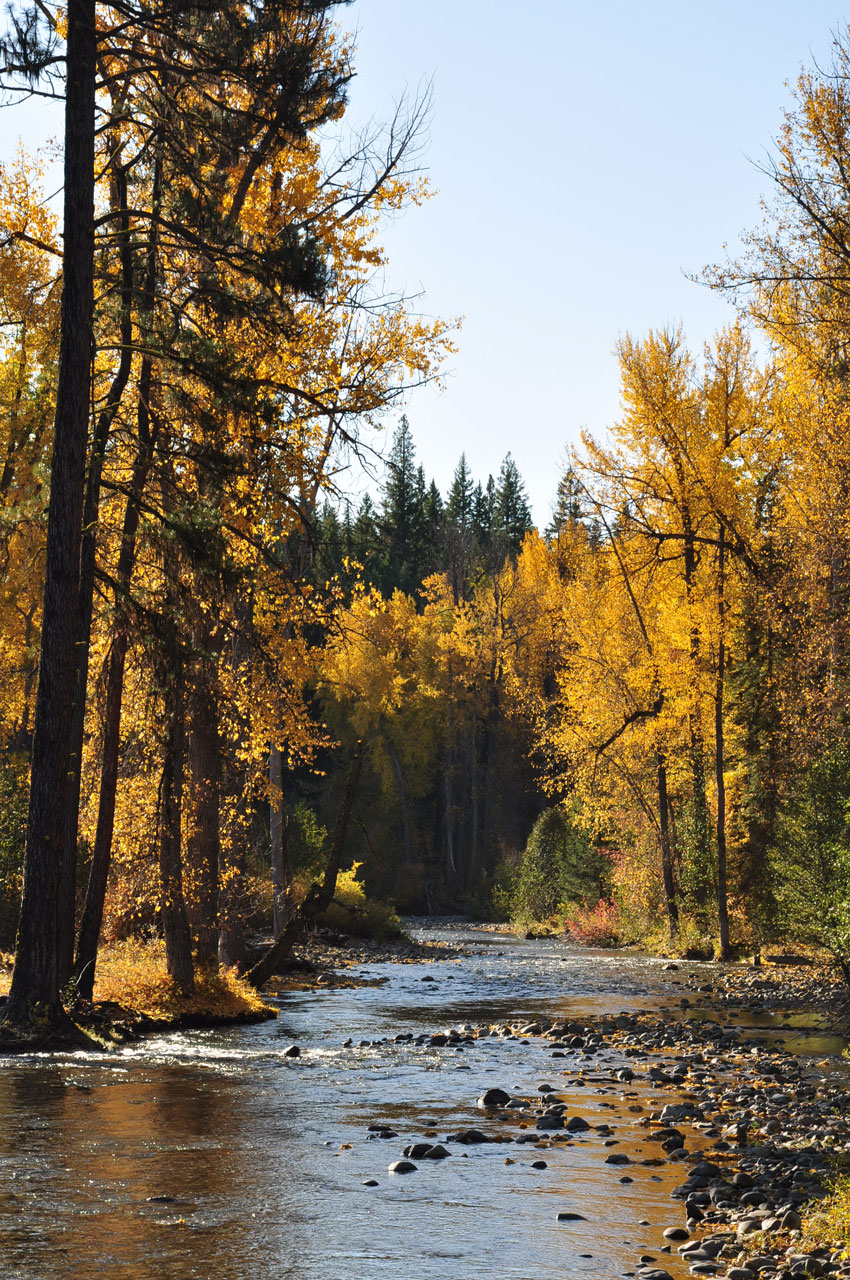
[(459, 508), (513, 514), (400, 519)]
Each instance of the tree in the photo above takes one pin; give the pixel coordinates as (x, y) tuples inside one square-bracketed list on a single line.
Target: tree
[(35, 981), (512, 514)]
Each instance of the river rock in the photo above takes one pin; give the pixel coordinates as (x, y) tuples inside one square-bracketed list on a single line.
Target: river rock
[(576, 1124), (494, 1098), (402, 1166), (467, 1137)]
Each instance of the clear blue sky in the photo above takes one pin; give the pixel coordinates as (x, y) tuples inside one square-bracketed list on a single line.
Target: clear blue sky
[(586, 156)]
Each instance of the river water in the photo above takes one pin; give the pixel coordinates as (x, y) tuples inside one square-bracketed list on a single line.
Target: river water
[(210, 1154)]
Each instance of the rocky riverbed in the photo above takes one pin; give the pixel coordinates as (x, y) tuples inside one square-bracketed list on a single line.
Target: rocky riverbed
[(757, 1133)]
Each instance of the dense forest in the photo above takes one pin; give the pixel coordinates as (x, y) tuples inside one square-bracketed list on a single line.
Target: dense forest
[(226, 679)]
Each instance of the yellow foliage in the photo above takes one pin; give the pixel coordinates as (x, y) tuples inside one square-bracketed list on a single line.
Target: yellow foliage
[(133, 974)]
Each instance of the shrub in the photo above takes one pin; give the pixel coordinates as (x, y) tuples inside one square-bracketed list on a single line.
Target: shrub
[(596, 926), (504, 888), (133, 974), (351, 912)]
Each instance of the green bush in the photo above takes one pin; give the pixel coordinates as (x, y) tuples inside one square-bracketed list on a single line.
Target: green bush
[(811, 862), (559, 869)]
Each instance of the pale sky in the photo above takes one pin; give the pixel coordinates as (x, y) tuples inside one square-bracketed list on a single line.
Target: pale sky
[(586, 157)]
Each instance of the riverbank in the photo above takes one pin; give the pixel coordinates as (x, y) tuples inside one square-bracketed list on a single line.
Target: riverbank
[(134, 998), (758, 1136)]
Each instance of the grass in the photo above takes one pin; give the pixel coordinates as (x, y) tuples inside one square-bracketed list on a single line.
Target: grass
[(133, 974), (829, 1224)]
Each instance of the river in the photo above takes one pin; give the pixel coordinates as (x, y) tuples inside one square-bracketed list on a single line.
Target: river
[(210, 1154)]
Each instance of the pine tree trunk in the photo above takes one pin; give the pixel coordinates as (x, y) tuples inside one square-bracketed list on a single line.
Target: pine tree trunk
[(203, 843), (175, 925), (86, 593), (701, 823), (92, 917), (667, 856), (281, 871), (35, 980), (719, 751), (231, 936)]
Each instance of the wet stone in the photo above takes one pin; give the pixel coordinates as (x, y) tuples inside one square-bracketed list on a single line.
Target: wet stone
[(494, 1098)]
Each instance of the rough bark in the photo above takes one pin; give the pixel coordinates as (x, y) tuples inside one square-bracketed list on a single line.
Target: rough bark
[(147, 427), (175, 925), (203, 842), (36, 977), (667, 856), (402, 795), (92, 917), (281, 870), (720, 751), (231, 936), (319, 896), (85, 599)]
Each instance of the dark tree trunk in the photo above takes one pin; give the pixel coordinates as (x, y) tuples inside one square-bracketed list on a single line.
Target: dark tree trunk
[(36, 976), (281, 870), (402, 795), (473, 866), (148, 427), (701, 825), (203, 843), (318, 897), (231, 937), (86, 593), (92, 917), (667, 854), (175, 925), (720, 751)]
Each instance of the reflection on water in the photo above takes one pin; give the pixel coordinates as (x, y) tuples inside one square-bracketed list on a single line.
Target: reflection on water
[(210, 1154)]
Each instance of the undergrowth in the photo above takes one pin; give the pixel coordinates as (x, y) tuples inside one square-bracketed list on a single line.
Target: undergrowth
[(829, 1224), (133, 974)]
